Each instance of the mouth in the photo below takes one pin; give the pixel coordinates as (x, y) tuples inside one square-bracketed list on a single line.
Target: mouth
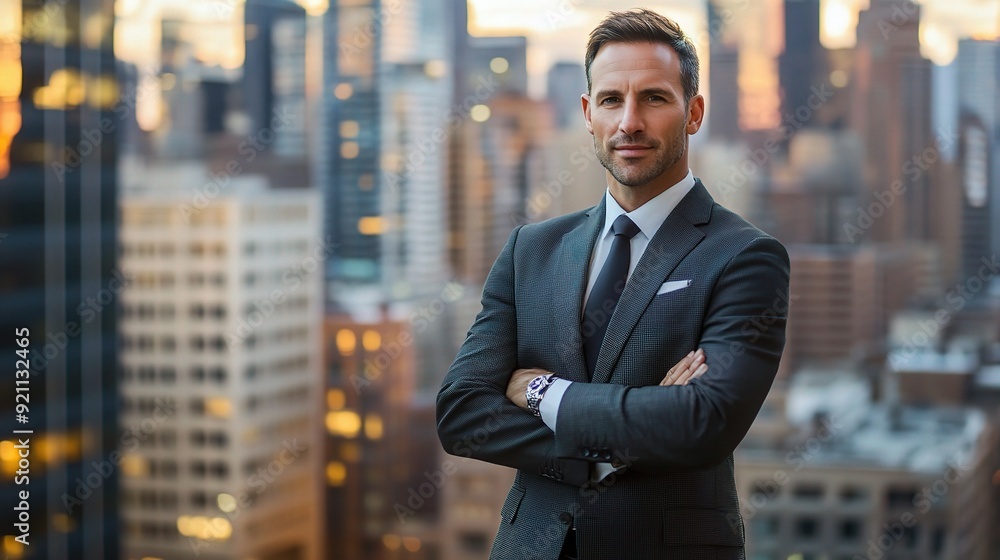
[(632, 150)]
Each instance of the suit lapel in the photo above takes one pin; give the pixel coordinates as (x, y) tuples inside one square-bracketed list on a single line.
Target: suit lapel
[(672, 242), (574, 262)]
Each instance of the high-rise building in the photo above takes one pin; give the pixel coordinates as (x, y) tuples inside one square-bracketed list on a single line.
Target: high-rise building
[(220, 375), (386, 126), (978, 65), (500, 182), (274, 73), (380, 503), (503, 60), (844, 296), (192, 100), (832, 316), (724, 92), (812, 192), (349, 165), (566, 82), (758, 38), (413, 218), (891, 111), (59, 121), (802, 64)]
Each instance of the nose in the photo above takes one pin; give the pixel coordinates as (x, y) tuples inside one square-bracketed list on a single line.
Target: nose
[(631, 119)]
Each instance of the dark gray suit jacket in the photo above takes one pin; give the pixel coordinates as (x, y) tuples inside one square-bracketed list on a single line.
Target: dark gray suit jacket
[(676, 497)]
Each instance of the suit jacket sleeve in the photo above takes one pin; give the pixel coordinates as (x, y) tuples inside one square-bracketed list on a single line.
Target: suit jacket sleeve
[(656, 429), (474, 416)]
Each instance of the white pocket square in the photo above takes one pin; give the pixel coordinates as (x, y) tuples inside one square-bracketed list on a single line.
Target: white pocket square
[(672, 286)]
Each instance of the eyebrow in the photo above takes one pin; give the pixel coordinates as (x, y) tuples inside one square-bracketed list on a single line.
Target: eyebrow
[(647, 91)]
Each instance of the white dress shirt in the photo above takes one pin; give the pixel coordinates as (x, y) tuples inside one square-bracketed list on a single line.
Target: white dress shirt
[(649, 217)]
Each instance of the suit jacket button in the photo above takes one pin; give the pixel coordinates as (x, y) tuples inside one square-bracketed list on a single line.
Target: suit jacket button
[(585, 451), (565, 518), (606, 454)]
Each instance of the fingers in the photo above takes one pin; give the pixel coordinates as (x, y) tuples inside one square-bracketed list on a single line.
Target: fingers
[(696, 368), (690, 367), (702, 369), (678, 367)]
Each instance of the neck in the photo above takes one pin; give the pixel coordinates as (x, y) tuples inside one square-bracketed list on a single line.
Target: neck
[(630, 198)]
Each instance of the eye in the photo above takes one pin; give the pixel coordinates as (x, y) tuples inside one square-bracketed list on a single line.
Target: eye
[(656, 99), (609, 100)]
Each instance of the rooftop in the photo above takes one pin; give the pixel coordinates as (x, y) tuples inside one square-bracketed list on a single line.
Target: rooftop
[(873, 435)]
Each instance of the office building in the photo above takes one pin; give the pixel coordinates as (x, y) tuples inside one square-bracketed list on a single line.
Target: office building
[(723, 118), (843, 299), (802, 64), (59, 124), (381, 503), (891, 111), (274, 73), (385, 139), (978, 69), (220, 374), (565, 83), (858, 479), (500, 181)]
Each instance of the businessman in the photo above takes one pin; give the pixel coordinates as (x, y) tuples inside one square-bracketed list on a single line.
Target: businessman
[(564, 373)]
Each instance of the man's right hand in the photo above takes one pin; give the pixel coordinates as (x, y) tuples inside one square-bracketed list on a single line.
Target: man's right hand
[(690, 367)]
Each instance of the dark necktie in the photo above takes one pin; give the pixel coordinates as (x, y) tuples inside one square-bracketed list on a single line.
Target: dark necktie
[(607, 290)]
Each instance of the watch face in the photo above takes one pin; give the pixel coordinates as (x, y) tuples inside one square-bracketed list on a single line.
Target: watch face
[(536, 383)]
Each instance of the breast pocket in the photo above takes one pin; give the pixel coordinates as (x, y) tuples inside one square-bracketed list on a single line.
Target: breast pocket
[(671, 286), (669, 328)]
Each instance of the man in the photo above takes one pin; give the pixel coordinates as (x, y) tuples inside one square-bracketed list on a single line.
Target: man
[(563, 375)]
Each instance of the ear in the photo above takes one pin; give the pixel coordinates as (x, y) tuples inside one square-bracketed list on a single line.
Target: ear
[(585, 103), (696, 113)]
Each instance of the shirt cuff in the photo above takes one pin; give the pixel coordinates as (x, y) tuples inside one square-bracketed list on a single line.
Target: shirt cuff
[(549, 405), (601, 471)]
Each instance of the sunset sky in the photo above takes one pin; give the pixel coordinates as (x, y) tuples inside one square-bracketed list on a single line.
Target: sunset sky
[(557, 29)]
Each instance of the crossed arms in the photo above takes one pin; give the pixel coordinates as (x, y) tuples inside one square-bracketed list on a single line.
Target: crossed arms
[(658, 428)]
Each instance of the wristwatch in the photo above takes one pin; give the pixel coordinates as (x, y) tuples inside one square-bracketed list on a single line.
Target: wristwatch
[(536, 389)]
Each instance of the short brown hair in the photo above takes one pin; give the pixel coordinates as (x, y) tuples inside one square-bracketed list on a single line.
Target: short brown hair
[(642, 26)]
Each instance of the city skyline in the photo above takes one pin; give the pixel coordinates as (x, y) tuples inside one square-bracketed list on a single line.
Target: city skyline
[(556, 30), (290, 209)]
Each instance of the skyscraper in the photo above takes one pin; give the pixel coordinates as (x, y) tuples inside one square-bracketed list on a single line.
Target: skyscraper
[(350, 170), (371, 455), (724, 70), (388, 82), (58, 155), (566, 81), (892, 113), (220, 373), (500, 59), (274, 70), (979, 154), (802, 64)]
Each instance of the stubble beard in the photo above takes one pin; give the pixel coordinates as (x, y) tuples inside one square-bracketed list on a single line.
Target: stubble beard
[(635, 177)]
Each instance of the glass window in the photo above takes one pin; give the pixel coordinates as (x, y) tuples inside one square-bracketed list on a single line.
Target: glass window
[(807, 528)]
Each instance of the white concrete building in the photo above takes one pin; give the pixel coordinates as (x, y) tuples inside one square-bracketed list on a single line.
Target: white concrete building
[(220, 368), (861, 479)]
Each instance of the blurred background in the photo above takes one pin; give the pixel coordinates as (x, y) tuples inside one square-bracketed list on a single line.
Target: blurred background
[(246, 238)]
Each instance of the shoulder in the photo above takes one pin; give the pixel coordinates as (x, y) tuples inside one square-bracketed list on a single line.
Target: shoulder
[(553, 228), (729, 233)]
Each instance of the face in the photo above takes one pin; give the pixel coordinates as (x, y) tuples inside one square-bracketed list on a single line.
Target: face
[(637, 114)]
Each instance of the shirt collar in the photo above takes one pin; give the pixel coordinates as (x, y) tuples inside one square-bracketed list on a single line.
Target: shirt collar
[(651, 215)]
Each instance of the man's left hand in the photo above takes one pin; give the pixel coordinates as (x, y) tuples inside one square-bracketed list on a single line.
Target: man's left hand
[(518, 385)]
